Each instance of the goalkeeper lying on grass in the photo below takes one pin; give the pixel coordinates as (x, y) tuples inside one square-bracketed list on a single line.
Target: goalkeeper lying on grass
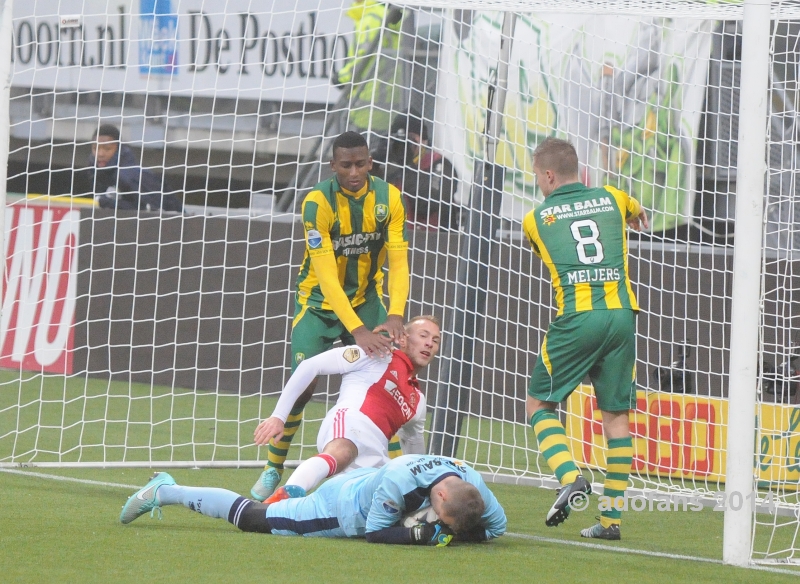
[(369, 502)]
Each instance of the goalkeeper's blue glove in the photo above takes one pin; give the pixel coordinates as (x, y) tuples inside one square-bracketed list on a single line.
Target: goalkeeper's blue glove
[(437, 533)]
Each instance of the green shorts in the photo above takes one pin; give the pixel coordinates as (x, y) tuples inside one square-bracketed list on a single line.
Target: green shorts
[(598, 343), (316, 330)]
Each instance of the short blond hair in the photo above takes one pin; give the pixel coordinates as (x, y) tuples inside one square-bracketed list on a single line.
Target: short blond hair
[(428, 317), (558, 156)]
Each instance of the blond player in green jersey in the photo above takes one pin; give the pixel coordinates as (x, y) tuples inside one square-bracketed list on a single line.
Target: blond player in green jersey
[(580, 234), (353, 223)]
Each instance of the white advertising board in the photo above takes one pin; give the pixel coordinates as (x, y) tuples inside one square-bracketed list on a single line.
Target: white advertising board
[(275, 49)]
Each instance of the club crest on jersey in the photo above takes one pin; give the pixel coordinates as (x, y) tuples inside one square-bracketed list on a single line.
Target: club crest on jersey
[(391, 507), (457, 465), (314, 239), (381, 212), (549, 219), (298, 357), (351, 355)]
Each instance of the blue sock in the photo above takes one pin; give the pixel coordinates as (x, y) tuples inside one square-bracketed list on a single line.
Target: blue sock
[(209, 501)]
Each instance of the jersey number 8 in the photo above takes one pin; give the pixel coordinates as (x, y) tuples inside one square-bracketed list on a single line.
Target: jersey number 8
[(584, 241)]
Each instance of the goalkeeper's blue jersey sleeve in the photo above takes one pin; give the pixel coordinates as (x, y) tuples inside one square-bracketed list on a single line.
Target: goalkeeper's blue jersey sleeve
[(404, 485)]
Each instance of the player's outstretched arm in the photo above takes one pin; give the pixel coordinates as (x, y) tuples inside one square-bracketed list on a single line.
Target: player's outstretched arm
[(328, 363), (437, 533), (328, 275), (396, 246), (373, 344)]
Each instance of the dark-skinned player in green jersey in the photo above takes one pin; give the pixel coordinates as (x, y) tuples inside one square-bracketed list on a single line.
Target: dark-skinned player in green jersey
[(580, 234), (353, 223)]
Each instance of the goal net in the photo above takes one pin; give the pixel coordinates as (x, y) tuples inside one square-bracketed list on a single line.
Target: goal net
[(160, 336)]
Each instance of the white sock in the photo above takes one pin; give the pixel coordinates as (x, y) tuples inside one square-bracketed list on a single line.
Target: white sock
[(311, 472), (209, 501)]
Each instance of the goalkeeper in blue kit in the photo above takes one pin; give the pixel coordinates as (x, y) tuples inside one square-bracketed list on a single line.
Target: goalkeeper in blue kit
[(580, 234), (368, 503)]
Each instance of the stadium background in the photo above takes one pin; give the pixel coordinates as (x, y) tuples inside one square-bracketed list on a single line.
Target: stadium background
[(201, 301)]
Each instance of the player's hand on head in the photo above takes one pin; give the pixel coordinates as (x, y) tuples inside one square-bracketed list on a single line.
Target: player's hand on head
[(436, 533), (394, 327), (267, 430), (372, 343)]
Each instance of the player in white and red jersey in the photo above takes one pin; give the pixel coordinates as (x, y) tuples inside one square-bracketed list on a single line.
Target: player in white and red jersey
[(379, 397)]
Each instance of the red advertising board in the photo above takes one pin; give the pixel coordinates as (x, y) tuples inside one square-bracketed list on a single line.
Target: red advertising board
[(39, 288)]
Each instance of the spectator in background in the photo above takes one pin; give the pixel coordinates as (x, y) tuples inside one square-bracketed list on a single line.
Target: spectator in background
[(426, 178), (118, 180), (372, 74)]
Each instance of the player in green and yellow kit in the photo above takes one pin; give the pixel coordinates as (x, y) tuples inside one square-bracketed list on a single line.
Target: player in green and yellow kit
[(580, 234), (353, 222)]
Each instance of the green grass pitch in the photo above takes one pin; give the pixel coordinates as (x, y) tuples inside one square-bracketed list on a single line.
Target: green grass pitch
[(64, 531)]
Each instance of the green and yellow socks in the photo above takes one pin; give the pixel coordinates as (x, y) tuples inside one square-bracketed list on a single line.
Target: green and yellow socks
[(552, 440), (394, 447), (618, 467), (278, 451)]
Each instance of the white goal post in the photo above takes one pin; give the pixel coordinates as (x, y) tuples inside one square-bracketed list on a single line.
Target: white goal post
[(161, 338), (747, 260)]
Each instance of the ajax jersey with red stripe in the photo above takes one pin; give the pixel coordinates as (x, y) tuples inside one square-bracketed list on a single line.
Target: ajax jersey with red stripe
[(393, 400), (384, 389)]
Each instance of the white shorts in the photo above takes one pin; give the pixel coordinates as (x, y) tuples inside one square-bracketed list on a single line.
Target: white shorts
[(373, 446)]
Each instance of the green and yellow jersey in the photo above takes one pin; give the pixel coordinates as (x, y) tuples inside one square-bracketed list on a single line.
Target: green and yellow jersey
[(349, 237), (581, 235)]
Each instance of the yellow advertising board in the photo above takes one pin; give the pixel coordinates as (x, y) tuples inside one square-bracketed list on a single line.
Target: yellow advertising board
[(685, 436)]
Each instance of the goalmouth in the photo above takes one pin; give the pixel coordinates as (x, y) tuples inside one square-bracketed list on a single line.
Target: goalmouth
[(160, 339)]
